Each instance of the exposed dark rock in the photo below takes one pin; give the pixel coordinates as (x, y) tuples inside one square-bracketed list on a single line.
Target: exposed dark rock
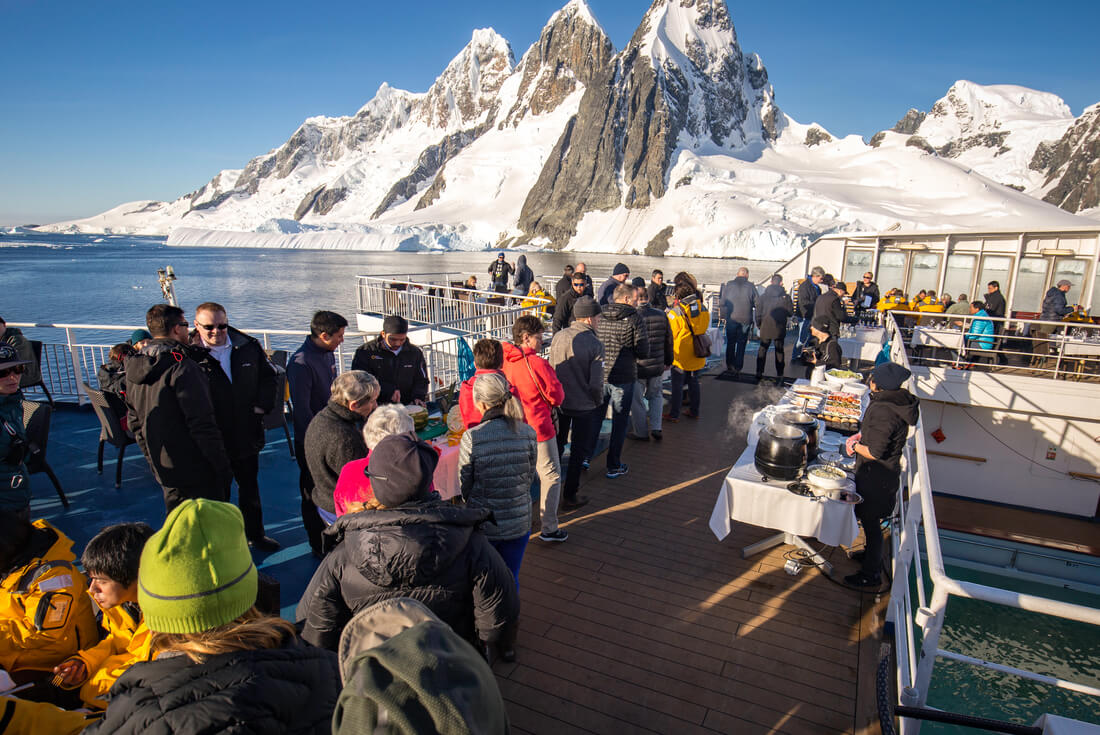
[(815, 136), (909, 124), (467, 89), (215, 202), (1043, 156), (257, 169), (1017, 187), (916, 141), (658, 246), (329, 198), (954, 148), (1074, 168), (430, 161), (307, 203), (684, 181), (432, 193), (877, 138)]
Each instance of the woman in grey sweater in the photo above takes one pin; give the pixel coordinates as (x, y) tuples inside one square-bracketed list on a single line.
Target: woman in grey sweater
[(496, 462)]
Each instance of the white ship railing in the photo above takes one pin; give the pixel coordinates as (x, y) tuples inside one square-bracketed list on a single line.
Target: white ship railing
[(916, 656), (438, 300)]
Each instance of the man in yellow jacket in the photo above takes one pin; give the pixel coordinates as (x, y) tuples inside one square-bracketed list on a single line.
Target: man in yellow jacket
[(111, 559), (688, 319), (45, 613)]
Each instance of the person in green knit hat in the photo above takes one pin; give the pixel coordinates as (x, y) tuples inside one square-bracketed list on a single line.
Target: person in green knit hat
[(219, 664)]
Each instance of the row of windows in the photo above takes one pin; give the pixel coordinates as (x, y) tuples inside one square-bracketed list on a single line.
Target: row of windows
[(968, 273)]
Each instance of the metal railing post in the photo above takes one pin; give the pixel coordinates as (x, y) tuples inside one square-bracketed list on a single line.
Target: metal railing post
[(78, 374)]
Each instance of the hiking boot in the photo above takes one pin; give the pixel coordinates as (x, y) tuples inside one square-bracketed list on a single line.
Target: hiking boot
[(613, 472), (574, 503), (656, 435), (558, 535)]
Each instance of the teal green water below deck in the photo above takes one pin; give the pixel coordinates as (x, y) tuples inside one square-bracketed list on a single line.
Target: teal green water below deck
[(1026, 640)]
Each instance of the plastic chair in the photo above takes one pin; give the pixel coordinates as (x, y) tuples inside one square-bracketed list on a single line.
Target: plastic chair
[(36, 347), (106, 407), (36, 417), (276, 417)]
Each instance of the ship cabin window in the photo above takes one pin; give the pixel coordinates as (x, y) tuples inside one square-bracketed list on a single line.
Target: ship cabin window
[(892, 266), (924, 272), (960, 276), (1096, 294), (996, 268), (856, 263), (1073, 270), (1031, 284)]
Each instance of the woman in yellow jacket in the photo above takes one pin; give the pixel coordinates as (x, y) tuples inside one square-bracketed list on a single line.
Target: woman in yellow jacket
[(45, 613), (111, 559), (537, 292), (688, 318)]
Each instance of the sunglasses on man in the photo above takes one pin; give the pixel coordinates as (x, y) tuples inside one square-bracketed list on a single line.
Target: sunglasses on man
[(212, 327), (13, 370)]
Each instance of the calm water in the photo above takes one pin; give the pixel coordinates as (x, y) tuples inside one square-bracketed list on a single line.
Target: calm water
[(74, 279)]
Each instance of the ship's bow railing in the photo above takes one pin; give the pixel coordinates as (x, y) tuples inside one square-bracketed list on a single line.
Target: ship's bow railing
[(918, 623), (435, 299)]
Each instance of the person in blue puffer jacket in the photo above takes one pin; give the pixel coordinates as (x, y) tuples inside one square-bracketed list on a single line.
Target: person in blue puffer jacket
[(980, 334)]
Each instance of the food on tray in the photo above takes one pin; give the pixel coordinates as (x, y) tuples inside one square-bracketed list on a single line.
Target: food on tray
[(419, 416), (834, 458), (842, 408), (827, 473), (843, 374)]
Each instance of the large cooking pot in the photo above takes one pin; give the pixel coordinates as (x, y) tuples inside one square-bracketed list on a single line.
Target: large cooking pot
[(807, 423), (780, 451)]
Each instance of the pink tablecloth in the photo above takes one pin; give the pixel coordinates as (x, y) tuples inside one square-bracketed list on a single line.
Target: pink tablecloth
[(446, 472)]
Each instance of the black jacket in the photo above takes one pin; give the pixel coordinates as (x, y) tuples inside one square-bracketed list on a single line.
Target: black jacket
[(334, 438), (524, 275), (499, 270), (772, 312), (172, 417), (861, 290), (565, 283), (658, 295), (607, 290), (290, 690), (623, 334), (737, 300), (406, 371), (112, 377), (884, 430), (432, 551), (658, 343), (995, 305), (1054, 305), (563, 312), (236, 401), (807, 297), (309, 373), (832, 308), (827, 353)]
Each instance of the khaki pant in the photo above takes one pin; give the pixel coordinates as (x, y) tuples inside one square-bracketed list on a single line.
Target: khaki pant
[(548, 466)]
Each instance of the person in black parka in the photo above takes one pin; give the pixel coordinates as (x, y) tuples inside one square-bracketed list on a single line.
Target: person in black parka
[(415, 546), (397, 363), (772, 312), (878, 448)]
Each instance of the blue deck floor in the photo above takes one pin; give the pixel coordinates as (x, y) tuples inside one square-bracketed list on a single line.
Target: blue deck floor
[(94, 502)]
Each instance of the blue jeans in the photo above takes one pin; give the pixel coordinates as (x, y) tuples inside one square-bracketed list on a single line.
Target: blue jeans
[(737, 336), (511, 551), (646, 391), (803, 337), (679, 377), (619, 397)]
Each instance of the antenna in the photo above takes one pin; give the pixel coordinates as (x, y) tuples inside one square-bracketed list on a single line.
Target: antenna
[(165, 276)]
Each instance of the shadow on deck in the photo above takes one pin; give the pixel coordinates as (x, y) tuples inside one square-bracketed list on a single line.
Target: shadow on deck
[(642, 622)]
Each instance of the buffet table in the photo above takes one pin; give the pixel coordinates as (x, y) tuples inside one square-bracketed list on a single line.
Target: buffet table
[(446, 472), (746, 498), (950, 339)]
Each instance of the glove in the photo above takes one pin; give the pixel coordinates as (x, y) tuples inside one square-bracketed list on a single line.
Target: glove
[(850, 444)]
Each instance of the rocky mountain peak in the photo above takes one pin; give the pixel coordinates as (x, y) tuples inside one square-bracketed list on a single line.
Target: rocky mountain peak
[(466, 92), (970, 109), (571, 51), (1073, 165), (681, 82)]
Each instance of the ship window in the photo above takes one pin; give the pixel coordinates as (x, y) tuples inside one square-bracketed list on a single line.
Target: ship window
[(960, 275), (1072, 270), (925, 272), (1096, 294), (1031, 284), (891, 270), (856, 263), (996, 268)]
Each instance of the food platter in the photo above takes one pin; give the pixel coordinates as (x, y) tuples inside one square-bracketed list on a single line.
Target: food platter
[(826, 477)]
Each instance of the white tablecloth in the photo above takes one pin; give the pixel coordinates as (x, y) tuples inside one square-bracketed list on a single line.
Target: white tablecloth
[(852, 348), (1081, 348), (746, 499), (951, 339), (870, 335), (446, 472)]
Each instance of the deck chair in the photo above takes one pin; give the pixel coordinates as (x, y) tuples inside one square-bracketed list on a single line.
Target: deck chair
[(276, 417), (34, 379), (36, 417), (107, 407)]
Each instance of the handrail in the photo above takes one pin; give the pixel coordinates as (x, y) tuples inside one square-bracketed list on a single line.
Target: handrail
[(915, 660)]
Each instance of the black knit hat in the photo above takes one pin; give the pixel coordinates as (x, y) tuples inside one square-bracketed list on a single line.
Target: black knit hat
[(889, 376), (637, 282), (586, 306), (620, 269), (401, 469)]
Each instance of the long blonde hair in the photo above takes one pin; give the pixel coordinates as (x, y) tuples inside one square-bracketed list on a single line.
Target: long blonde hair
[(493, 390), (251, 631)]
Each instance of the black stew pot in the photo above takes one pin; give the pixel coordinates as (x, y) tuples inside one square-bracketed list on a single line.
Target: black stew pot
[(780, 452), (807, 423)]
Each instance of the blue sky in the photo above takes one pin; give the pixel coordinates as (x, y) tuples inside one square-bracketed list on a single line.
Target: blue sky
[(103, 103)]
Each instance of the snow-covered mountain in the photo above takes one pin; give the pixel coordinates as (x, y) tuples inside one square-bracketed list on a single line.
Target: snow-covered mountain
[(1072, 166), (673, 145)]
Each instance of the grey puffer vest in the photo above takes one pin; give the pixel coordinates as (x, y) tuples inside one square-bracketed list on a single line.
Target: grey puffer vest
[(496, 464)]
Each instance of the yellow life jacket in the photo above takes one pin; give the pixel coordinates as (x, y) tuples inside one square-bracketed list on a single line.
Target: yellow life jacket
[(45, 612)]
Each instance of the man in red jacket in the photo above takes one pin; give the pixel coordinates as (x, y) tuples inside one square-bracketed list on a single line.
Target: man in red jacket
[(540, 392)]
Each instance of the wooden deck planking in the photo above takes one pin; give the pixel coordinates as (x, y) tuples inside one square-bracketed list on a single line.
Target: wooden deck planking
[(644, 621)]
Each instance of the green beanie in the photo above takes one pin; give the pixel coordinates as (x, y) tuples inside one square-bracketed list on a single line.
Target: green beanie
[(196, 572)]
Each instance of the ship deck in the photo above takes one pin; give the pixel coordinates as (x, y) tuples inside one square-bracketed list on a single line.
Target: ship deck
[(642, 622)]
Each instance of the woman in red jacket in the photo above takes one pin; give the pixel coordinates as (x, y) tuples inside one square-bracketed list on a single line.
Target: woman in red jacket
[(539, 391)]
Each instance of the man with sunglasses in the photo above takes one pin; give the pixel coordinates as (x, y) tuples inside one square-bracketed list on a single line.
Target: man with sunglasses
[(563, 312), (15, 482), (171, 413), (242, 387), (866, 294)]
